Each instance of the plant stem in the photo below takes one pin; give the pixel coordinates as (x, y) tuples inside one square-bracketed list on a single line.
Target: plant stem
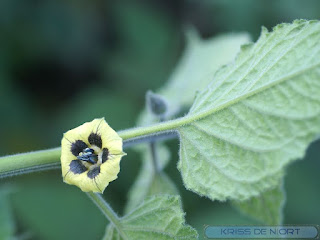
[(27, 162), (150, 138), (12, 164), (153, 129), (37, 168), (154, 157), (106, 209)]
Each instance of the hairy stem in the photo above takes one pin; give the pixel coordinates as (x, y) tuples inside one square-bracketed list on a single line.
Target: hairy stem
[(106, 209), (154, 154), (38, 168), (21, 163), (29, 162), (153, 129), (154, 157)]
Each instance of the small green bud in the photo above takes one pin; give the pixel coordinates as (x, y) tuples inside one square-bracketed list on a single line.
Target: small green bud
[(156, 104)]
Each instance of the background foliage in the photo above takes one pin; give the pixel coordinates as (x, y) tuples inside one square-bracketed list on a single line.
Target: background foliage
[(66, 62)]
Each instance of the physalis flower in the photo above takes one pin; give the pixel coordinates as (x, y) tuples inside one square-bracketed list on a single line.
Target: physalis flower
[(90, 156)]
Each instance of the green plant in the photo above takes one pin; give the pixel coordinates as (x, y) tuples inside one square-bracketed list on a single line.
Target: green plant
[(247, 122)]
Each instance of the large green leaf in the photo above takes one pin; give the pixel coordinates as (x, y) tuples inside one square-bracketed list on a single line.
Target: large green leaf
[(267, 207), (158, 217), (257, 115)]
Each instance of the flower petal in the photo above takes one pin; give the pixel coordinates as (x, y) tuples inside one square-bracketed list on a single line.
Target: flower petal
[(103, 141)]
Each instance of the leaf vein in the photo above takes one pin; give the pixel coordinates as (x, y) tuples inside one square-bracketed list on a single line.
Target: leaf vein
[(245, 147)]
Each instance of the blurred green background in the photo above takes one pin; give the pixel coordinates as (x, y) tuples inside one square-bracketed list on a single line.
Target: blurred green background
[(66, 62)]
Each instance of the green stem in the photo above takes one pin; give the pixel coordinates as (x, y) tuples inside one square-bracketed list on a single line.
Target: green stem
[(153, 129), (38, 168), (12, 164), (106, 209), (154, 157)]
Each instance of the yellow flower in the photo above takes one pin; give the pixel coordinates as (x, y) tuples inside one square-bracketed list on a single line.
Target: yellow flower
[(90, 156)]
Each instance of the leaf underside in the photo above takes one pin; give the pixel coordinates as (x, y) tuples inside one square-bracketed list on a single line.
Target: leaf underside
[(158, 217), (257, 115), (267, 207)]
